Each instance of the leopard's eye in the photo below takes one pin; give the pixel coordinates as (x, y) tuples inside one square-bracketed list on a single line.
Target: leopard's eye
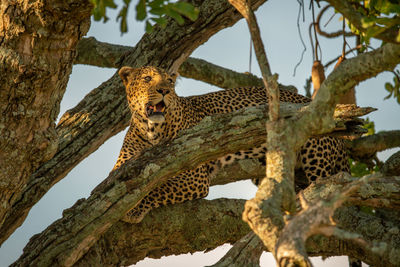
[(170, 80), (147, 78)]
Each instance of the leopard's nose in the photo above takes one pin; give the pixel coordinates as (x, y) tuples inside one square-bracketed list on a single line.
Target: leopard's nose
[(163, 91)]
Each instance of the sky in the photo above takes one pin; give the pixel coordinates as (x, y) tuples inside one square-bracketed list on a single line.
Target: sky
[(228, 48)]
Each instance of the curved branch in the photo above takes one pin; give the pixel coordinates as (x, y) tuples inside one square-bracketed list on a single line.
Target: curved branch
[(328, 34), (95, 53)]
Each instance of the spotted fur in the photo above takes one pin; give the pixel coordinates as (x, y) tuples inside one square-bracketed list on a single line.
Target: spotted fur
[(159, 114)]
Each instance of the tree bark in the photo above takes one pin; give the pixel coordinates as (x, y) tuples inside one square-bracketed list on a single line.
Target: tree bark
[(367, 146), (104, 112), (37, 42), (125, 244)]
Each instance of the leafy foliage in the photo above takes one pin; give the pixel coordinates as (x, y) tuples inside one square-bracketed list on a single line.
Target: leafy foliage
[(377, 17), (150, 11), (394, 89)]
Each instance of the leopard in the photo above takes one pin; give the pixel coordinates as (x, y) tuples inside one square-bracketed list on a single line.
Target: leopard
[(158, 114)]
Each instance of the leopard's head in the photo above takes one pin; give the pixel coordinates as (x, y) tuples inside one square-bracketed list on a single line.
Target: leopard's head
[(150, 92)]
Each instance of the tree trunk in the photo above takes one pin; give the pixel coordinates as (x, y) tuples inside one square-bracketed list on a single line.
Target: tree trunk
[(38, 41)]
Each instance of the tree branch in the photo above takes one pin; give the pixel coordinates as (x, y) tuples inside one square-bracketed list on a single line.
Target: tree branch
[(154, 238), (170, 230), (329, 34), (104, 112), (392, 165), (367, 146), (100, 54), (245, 252)]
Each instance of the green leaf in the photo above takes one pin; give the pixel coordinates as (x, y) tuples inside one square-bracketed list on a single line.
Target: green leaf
[(370, 126), (159, 11), (156, 3), (149, 27), (186, 9), (100, 7), (141, 12), (160, 21), (389, 87), (123, 16), (175, 15)]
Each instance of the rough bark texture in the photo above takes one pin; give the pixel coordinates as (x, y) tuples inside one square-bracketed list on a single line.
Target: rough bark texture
[(126, 243), (245, 252), (171, 230), (367, 146), (37, 43), (104, 112)]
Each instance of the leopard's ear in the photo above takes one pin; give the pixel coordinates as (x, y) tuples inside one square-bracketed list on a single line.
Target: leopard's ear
[(124, 73)]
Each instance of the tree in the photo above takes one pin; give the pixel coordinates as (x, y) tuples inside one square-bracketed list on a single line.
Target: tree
[(102, 114)]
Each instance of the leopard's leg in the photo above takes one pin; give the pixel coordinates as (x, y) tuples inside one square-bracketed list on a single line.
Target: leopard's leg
[(322, 157), (186, 186)]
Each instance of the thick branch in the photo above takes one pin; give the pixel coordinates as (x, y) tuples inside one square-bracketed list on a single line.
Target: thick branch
[(103, 112), (245, 252), (126, 244), (368, 145), (189, 227), (392, 165)]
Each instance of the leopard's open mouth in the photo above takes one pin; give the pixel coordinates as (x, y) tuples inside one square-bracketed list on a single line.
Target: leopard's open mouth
[(155, 113)]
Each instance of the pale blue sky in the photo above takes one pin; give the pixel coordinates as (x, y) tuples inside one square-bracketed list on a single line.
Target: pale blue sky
[(229, 48)]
